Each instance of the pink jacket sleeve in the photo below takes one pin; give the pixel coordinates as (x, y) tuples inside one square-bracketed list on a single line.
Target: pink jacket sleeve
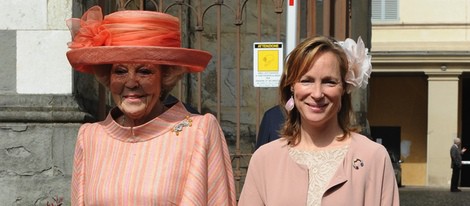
[(389, 185), (250, 194), (210, 178), (221, 186), (78, 171)]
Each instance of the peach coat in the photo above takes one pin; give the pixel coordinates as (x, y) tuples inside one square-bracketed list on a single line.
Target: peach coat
[(274, 178), (177, 158)]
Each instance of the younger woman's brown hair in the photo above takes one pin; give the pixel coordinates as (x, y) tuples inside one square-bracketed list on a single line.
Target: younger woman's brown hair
[(299, 61)]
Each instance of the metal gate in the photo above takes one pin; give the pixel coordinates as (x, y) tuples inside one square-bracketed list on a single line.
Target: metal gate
[(228, 30)]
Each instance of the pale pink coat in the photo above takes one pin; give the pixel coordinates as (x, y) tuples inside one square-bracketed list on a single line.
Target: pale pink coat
[(274, 178), (175, 159)]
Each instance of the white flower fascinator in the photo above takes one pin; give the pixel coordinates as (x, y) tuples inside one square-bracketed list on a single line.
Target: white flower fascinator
[(359, 62)]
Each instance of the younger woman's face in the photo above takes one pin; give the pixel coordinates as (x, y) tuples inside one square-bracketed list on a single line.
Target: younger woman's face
[(136, 89), (318, 93)]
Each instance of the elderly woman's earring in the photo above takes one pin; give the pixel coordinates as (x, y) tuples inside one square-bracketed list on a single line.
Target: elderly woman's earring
[(290, 104)]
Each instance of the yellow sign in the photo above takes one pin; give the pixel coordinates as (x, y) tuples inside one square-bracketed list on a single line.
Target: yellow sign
[(268, 60), (267, 64)]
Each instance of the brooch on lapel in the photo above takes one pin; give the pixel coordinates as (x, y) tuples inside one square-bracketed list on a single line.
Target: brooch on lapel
[(357, 163), (187, 122)]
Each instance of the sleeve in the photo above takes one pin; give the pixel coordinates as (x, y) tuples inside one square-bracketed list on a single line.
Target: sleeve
[(270, 125), (220, 180), (454, 153), (389, 187), (263, 133), (251, 194), (78, 171)]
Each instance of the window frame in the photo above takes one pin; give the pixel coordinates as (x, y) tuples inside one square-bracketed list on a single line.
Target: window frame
[(385, 11)]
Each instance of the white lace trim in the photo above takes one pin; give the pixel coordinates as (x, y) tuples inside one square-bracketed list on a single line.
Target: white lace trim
[(321, 164)]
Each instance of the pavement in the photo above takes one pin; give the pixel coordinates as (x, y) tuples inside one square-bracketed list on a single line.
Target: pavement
[(428, 196)]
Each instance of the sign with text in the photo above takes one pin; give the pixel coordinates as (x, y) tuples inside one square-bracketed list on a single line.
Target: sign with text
[(267, 64)]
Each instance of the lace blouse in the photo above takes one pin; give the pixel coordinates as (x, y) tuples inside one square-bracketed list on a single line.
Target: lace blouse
[(321, 164)]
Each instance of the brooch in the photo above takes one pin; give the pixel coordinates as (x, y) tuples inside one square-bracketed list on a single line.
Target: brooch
[(356, 163), (187, 122)]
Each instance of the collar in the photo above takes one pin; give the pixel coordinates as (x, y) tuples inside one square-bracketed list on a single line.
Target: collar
[(156, 127)]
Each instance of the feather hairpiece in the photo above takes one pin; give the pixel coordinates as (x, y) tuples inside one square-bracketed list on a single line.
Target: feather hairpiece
[(359, 61)]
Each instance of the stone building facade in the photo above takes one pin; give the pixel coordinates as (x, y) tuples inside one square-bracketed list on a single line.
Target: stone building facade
[(419, 90)]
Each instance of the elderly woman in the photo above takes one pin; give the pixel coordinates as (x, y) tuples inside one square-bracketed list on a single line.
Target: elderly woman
[(319, 160), (144, 153)]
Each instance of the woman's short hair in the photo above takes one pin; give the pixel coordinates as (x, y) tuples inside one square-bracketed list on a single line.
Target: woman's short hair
[(298, 62)]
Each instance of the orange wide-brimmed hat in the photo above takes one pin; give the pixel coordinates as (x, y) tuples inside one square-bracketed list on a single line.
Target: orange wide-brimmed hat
[(130, 36)]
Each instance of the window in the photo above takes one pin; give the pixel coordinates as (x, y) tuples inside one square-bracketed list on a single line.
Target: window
[(384, 10)]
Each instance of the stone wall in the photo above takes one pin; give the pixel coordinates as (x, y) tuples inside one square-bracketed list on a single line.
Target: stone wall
[(36, 162), (37, 140)]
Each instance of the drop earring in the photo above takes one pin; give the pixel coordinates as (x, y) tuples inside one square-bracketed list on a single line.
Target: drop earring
[(290, 104)]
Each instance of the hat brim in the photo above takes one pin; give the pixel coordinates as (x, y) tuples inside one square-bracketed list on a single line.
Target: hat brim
[(83, 59)]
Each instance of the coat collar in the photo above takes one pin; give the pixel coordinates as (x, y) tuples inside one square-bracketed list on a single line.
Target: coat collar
[(162, 124)]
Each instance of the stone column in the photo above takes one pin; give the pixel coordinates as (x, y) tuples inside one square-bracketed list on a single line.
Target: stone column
[(443, 108)]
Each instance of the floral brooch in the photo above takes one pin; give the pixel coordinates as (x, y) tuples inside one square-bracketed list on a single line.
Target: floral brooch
[(187, 122), (357, 163)]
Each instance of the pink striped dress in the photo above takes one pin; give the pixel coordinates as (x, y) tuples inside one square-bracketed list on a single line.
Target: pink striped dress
[(176, 159)]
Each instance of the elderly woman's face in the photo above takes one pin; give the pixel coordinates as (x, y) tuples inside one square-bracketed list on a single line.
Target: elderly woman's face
[(318, 93), (136, 90)]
